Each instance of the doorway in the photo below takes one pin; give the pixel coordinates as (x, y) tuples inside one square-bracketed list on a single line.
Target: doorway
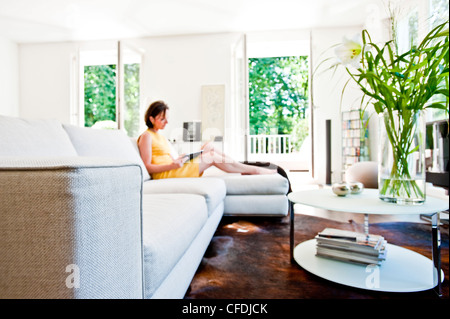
[(279, 113)]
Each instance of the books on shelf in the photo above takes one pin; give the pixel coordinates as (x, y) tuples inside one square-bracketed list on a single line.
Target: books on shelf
[(351, 246)]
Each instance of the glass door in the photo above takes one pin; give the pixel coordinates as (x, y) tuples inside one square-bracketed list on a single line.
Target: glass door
[(278, 87), (130, 78)]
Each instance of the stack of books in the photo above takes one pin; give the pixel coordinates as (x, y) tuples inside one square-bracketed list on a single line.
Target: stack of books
[(351, 246)]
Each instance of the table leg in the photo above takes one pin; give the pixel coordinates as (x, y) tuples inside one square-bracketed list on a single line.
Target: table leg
[(436, 251), (291, 240)]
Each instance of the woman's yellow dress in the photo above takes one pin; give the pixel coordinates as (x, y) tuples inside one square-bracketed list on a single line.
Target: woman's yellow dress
[(161, 155)]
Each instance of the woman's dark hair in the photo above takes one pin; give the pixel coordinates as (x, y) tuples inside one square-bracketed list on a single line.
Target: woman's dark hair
[(153, 110)]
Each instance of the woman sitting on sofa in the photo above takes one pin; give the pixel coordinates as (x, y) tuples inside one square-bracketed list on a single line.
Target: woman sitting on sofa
[(156, 152)]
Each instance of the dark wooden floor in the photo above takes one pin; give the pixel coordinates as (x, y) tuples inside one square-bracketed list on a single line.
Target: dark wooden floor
[(249, 258)]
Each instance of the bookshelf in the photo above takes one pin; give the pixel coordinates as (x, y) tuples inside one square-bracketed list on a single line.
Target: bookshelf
[(355, 145)]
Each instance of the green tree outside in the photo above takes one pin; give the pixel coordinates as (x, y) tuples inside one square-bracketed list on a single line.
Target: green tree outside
[(132, 99), (100, 96), (278, 96)]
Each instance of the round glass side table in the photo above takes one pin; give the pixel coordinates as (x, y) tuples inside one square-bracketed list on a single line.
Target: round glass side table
[(402, 271)]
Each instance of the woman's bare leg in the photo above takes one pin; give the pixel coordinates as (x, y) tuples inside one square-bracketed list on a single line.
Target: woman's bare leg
[(209, 148), (226, 164)]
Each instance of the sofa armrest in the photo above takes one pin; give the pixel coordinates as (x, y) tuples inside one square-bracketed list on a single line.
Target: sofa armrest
[(70, 228)]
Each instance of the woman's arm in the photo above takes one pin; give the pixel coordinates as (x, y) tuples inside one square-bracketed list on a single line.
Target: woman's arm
[(145, 148)]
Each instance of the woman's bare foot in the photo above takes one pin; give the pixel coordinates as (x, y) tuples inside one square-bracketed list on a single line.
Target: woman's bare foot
[(266, 171), (260, 171)]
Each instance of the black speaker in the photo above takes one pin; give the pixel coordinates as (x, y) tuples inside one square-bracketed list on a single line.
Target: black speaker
[(192, 131)]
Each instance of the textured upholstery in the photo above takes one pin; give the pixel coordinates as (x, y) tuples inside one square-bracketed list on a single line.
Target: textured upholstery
[(253, 195), (30, 137), (212, 189), (61, 212), (256, 184), (178, 281), (170, 223), (104, 143), (256, 205)]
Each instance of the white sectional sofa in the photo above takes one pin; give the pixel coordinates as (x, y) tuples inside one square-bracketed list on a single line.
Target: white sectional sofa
[(81, 218)]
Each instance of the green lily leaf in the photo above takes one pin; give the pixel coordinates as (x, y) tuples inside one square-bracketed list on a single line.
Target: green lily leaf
[(443, 92), (437, 105), (405, 82)]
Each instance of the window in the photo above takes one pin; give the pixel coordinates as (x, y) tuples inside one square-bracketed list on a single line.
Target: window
[(100, 96), (109, 95), (278, 97), (408, 32), (438, 14), (412, 27), (131, 100)]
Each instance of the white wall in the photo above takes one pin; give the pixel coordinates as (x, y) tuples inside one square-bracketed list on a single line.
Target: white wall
[(45, 80), (327, 92), (9, 77), (176, 68)]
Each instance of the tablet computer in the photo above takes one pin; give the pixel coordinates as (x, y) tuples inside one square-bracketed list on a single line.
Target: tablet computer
[(193, 155)]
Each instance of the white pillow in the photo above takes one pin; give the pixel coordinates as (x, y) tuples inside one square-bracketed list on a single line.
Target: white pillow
[(33, 137), (105, 143)]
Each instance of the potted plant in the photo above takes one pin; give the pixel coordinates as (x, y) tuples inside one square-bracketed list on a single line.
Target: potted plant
[(401, 87)]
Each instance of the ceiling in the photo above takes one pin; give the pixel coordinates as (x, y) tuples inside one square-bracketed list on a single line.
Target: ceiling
[(37, 21)]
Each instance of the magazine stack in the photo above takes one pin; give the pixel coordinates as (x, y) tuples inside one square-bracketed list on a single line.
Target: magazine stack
[(351, 246)]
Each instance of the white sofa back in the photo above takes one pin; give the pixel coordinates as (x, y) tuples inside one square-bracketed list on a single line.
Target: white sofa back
[(50, 138), (105, 143), (26, 137)]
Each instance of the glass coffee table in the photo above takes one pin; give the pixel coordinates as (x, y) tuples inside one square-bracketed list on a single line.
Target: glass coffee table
[(402, 271)]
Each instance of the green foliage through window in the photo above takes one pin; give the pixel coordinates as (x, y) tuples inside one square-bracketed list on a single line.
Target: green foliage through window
[(278, 96), (132, 99), (99, 94), (100, 97)]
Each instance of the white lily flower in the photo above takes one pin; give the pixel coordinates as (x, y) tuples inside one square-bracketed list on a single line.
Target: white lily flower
[(349, 52)]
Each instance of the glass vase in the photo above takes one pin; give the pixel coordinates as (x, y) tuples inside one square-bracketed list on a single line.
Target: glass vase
[(401, 171)]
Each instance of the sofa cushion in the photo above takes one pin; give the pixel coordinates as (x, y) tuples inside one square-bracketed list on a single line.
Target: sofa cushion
[(255, 184), (212, 189), (33, 137), (170, 224), (256, 205), (104, 143)]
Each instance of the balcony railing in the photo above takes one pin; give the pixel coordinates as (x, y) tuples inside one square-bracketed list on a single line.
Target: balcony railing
[(270, 144)]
